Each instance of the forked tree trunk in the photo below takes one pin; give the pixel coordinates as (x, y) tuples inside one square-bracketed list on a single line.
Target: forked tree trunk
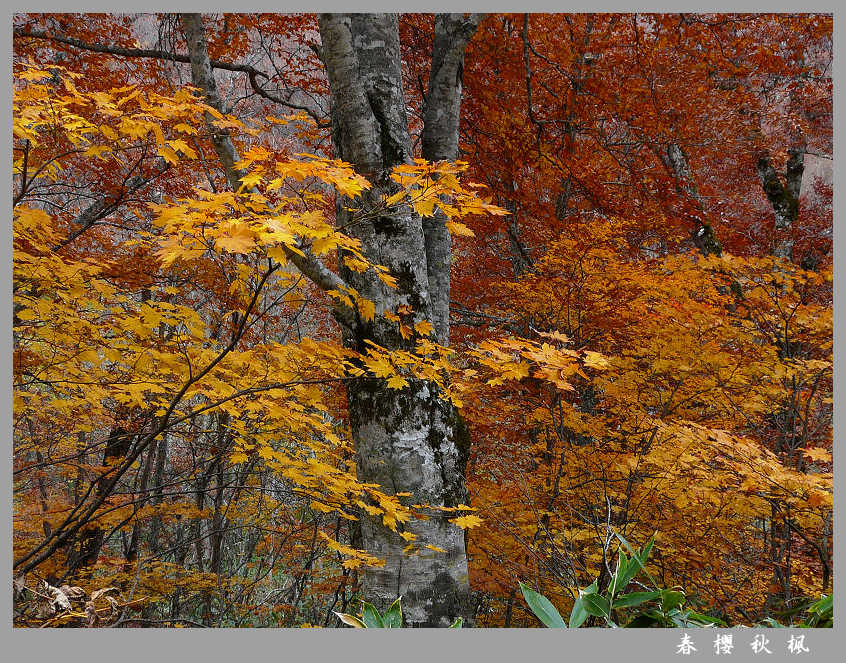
[(784, 197), (407, 440)]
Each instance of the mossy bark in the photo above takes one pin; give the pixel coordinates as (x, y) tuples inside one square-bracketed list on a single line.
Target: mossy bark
[(783, 197), (407, 440)]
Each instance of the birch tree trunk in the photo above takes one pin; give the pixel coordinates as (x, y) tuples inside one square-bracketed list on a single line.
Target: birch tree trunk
[(408, 440)]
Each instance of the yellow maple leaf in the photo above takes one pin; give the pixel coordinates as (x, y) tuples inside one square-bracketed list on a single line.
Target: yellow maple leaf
[(459, 229), (467, 522), (817, 454), (397, 382), (318, 506), (33, 74), (356, 264), (181, 146), (250, 180), (256, 153), (96, 151), (387, 279), (367, 309), (239, 239), (556, 336), (168, 154), (595, 360), (425, 207), (238, 457), (186, 129)]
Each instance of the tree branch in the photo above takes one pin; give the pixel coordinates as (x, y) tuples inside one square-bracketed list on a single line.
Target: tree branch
[(203, 77), (155, 54)]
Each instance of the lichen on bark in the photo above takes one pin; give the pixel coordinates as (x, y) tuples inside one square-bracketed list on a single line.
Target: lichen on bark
[(407, 440)]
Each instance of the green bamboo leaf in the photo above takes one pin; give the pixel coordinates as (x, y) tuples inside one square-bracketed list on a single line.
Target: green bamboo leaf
[(824, 605), (705, 620), (647, 549), (370, 616), (670, 599), (640, 557), (578, 614), (772, 623), (632, 568), (635, 598), (619, 580), (596, 604), (543, 609), (581, 608), (393, 617)]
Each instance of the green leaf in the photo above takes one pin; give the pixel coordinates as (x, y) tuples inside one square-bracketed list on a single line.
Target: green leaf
[(647, 549), (705, 619), (823, 606), (624, 542), (457, 623), (772, 623), (596, 604), (670, 599), (578, 614), (641, 556), (635, 598), (351, 620), (631, 570), (543, 609), (393, 617), (370, 616), (617, 582)]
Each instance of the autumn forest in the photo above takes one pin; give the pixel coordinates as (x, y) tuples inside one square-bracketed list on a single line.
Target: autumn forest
[(446, 320)]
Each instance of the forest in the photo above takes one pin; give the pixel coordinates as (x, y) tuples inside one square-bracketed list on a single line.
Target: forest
[(422, 320)]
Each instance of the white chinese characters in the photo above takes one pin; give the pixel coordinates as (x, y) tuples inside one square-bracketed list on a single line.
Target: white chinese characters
[(686, 647)]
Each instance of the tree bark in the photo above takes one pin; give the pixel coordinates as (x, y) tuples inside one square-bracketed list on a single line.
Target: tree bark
[(784, 197), (410, 439), (441, 117), (702, 233), (407, 440), (85, 548), (202, 76)]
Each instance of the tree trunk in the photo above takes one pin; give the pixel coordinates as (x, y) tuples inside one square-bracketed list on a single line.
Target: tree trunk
[(702, 233), (441, 117), (85, 549), (784, 197), (406, 440)]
